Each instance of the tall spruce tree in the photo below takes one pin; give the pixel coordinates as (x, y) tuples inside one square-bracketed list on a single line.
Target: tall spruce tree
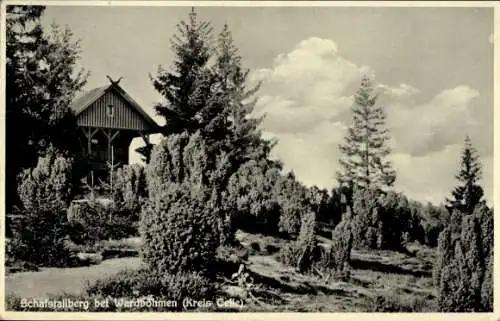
[(41, 81), (244, 141), (468, 193), (22, 22), (365, 148), (187, 86)]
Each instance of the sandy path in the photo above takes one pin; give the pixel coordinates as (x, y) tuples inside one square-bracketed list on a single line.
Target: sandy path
[(60, 280)]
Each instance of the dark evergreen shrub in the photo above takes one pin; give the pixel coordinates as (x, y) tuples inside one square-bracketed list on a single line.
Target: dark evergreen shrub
[(95, 220), (365, 223), (41, 239), (41, 232), (129, 192), (252, 190), (49, 184), (335, 261), (463, 270), (305, 251), (293, 202), (382, 220), (184, 160), (179, 231)]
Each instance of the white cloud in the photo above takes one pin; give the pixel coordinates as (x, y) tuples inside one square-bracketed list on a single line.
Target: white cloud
[(306, 86), (402, 91), (431, 177), (433, 125), (311, 154), (307, 95)]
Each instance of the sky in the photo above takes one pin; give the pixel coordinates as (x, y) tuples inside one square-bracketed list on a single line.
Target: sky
[(433, 70)]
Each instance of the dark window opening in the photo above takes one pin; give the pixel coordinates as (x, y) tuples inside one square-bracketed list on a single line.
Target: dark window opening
[(110, 110)]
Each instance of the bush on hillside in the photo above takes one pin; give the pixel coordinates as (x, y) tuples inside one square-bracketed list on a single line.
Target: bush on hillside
[(94, 220), (166, 164), (129, 191), (179, 231), (320, 203), (253, 191), (382, 220), (366, 223), (45, 191), (336, 205), (433, 220), (293, 202), (399, 303), (41, 239), (396, 221), (463, 271), (305, 251), (49, 184), (335, 261), (289, 254), (184, 160)]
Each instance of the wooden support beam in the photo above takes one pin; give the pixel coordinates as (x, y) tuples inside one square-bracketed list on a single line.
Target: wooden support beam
[(109, 134), (84, 132), (82, 146), (145, 137), (93, 132), (115, 135), (89, 134), (110, 137), (89, 143)]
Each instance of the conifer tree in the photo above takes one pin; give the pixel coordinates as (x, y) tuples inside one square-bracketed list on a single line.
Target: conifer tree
[(45, 192), (41, 81), (463, 268), (245, 141), (365, 148), (468, 193), (187, 86)]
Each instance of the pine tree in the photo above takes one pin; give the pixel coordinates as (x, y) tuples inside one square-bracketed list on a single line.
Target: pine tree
[(41, 81), (22, 22), (245, 141), (365, 145), (187, 86), (468, 193)]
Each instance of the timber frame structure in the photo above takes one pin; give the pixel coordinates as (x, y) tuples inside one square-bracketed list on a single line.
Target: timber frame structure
[(108, 120)]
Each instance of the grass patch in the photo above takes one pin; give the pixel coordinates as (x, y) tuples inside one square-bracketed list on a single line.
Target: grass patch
[(395, 302)]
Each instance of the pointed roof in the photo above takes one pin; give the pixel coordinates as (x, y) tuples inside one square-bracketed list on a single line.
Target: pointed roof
[(84, 101)]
